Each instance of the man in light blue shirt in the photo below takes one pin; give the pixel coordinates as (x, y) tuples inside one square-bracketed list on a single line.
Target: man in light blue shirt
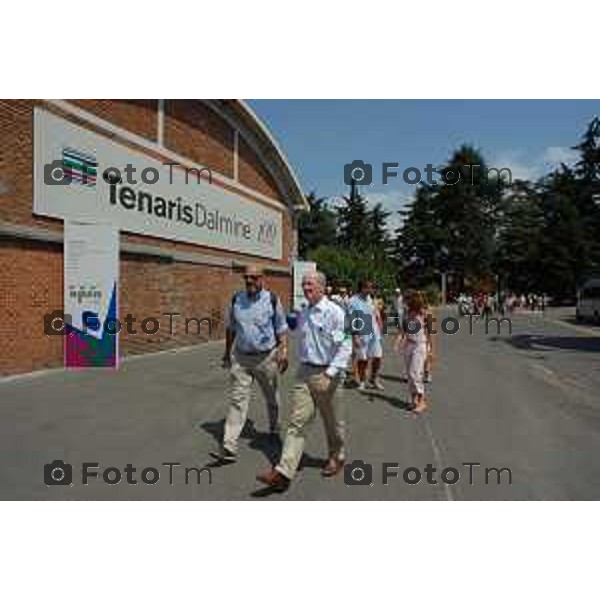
[(255, 350), (324, 352)]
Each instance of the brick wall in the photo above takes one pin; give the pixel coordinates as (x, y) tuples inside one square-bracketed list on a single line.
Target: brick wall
[(194, 130), (31, 286), (137, 116), (31, 273)]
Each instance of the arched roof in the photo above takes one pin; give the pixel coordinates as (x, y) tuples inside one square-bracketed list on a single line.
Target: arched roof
[(257, 134)]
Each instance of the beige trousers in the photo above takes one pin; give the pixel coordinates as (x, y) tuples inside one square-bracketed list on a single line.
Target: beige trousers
[(305, 401), (245, 369)]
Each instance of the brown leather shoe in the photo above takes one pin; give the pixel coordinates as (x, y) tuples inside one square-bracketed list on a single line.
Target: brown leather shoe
[(332, 467), (274, 479)]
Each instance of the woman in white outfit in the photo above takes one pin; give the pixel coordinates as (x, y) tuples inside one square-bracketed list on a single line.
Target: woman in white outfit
[(415, 340)]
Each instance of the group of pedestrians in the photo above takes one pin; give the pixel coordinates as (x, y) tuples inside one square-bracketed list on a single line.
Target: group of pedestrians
[(484, 304), (256, 350), (531, 301), (481, 304)]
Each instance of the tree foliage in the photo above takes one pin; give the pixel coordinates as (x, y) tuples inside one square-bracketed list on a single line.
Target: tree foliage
[(478, 227)]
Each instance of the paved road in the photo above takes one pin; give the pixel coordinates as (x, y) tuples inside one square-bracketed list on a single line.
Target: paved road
[(528, 402)]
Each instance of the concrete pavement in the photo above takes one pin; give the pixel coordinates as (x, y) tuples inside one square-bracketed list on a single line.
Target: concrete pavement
[(527, 402)]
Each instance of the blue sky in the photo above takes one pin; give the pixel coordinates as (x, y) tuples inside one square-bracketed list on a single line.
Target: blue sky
[(320, 136)]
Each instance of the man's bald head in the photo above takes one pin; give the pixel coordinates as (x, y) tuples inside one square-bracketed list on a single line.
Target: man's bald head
[(253, 271)]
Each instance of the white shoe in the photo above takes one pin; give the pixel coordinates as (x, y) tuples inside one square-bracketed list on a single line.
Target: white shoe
[(362, 387), (376, 385)]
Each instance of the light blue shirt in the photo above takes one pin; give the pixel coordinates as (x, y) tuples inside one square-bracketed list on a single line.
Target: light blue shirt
[(256, 327), (323, 340), (360, 304)]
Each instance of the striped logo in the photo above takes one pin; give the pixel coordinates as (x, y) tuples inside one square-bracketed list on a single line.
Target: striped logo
[(79, 167)]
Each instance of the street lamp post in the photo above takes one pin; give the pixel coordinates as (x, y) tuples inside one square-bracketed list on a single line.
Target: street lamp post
[(444, 278), (444, 273)]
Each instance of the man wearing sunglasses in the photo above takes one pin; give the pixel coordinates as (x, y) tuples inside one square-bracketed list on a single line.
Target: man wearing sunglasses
[(255, 351)]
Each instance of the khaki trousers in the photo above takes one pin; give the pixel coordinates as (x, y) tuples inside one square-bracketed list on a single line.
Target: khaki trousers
[(305, 401), (245, 369)]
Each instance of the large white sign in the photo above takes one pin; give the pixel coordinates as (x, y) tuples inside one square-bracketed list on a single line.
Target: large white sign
[(72, 169), (91, 276)]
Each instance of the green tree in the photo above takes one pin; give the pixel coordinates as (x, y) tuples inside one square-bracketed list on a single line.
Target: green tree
[(377, 234), (452, 225), (562, 244), (520, 232), (417, 240), (353, 217), (316, 227), (585, 189)]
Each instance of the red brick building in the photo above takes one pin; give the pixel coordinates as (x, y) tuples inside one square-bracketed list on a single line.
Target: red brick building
[(157, 274)]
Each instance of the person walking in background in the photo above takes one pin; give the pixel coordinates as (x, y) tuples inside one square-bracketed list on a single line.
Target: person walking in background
[(366, 336), (324, 358), (502, 303), (379, 305), (255, 350), (414, 340), (488, 302), (399, 306), (344, 298), (430, 356), (339, 297)]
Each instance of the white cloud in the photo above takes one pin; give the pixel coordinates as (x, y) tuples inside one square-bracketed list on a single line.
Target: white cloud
[(555, 155), (520, 167), (391, 202), (532, 167)]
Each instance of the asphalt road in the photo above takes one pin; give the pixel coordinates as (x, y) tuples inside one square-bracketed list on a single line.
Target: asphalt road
[(527, 401)]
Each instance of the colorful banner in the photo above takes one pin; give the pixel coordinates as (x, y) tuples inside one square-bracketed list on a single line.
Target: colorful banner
[(91, 275)]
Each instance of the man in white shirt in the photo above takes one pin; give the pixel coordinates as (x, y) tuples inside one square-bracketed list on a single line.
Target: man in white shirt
[(324, 352)]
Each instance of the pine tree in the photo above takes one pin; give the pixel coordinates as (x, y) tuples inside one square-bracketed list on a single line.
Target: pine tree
[(378, 237), (316, 227), (562, 244), (585, 189), (353, 221), (520, 231)]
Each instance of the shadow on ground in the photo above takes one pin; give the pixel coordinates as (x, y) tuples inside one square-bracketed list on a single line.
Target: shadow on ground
[(392, 400), (539, 343), (402, 379), (269, 445)]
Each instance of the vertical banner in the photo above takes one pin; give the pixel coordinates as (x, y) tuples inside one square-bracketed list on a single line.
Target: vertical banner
[(91, 275), (301, 267)]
